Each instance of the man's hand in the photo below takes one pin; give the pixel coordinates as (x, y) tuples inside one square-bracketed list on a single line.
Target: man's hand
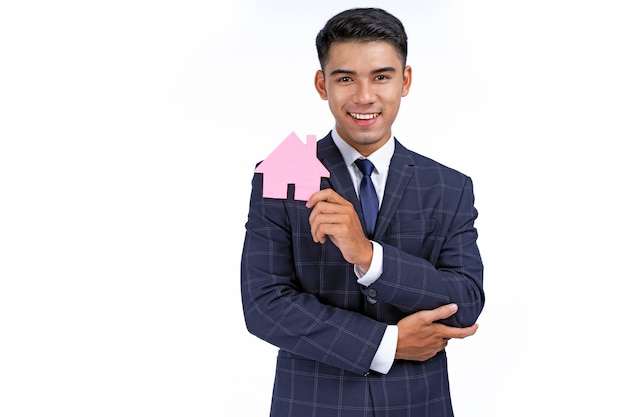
[(335, 217), (420, 338)]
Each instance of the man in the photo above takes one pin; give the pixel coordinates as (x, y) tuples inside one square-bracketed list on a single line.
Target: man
[(362, 312)]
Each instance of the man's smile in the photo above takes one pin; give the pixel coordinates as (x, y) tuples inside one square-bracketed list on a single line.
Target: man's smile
[(364, 116)]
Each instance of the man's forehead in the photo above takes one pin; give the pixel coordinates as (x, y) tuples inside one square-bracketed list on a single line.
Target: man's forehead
[(362, 56)]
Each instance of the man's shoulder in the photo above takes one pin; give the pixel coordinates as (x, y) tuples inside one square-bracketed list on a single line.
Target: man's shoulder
[(426, 163)]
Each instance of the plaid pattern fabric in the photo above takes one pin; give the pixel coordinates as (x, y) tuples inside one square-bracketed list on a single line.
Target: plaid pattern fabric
[(303, 297), (308, 388)]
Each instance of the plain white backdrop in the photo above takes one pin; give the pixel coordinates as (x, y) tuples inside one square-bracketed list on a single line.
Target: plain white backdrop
[(129, 131)]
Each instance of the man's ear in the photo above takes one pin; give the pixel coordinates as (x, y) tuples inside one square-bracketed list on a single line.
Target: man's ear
[(320, 84), (406, 80)]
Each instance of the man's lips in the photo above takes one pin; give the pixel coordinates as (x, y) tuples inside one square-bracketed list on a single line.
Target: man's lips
[(364, 116)]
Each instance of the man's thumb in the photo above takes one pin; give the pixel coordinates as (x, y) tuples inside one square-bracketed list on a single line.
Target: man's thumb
[(446, 311)]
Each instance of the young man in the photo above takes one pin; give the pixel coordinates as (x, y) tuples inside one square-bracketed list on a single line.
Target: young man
[(362, 311)]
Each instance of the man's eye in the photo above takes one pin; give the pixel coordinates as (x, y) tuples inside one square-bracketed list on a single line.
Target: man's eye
[(344, 79), (381, 77)]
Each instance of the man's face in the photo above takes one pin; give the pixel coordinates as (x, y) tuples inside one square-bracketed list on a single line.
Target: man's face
[(364, 83)]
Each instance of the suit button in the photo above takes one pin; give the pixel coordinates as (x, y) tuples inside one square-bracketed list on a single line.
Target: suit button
[(371, 300), (372, 292)]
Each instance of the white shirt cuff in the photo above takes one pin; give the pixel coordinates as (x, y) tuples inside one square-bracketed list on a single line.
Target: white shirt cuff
[(366, 278), (386, 353)]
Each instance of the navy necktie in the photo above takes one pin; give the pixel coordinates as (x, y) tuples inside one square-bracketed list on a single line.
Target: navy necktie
[(367, 194)]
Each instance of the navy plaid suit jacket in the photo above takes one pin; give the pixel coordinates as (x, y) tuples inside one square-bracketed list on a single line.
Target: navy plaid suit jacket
[(303, 297)]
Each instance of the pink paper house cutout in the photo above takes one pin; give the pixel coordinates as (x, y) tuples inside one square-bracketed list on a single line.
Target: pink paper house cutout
[(292, 162)]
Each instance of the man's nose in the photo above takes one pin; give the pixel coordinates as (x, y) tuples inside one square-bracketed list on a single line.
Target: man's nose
[(364, 93)]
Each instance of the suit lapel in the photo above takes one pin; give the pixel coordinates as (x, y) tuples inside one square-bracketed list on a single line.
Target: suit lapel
[(401, 170), (339, 180)]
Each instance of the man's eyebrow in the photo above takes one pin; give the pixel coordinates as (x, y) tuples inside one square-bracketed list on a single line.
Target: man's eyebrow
[(384, 69), (340, 71)]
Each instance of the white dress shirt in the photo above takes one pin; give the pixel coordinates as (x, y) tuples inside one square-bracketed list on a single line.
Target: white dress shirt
[(383, 359)]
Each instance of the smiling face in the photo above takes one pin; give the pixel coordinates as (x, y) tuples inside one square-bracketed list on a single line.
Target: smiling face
[(364, 83)]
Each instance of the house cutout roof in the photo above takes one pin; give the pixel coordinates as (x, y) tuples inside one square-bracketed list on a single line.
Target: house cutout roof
[(292, 162)]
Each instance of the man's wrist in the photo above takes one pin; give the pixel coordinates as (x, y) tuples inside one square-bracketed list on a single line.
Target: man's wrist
[(375, 268)]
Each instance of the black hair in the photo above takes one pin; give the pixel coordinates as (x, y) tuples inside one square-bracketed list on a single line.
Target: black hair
[(361, 25)]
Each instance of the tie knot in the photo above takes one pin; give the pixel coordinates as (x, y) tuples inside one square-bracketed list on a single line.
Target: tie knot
[(365, 166)]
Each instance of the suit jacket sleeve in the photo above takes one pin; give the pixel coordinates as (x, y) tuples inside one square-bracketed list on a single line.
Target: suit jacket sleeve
[(276, 307)]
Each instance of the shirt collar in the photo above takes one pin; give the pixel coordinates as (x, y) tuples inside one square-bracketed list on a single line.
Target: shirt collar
[(380, 158)]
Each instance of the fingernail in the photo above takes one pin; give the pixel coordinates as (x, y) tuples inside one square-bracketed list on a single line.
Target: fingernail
[(454, 308)]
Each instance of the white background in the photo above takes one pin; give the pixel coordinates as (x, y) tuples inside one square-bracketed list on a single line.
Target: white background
[(129, 131)]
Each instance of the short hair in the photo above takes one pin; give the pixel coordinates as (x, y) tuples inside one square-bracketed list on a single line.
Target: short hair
[(361, 25)]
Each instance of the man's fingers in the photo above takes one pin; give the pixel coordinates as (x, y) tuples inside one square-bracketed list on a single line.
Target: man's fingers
[(443, 312), (448, 332), (325, 195), (459, 333), (330, 215)]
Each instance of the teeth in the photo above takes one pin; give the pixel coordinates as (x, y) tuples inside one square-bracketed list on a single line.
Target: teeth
[(361, 116)]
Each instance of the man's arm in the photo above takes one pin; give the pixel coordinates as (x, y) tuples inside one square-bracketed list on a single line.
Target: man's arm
[(279, 310), (420, 335), (410, 282)]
